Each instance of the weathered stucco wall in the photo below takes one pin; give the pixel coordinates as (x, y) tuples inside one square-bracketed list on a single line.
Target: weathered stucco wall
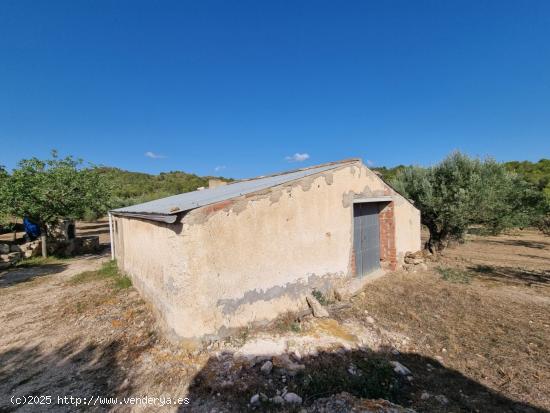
[(407, 228), (251, 258)]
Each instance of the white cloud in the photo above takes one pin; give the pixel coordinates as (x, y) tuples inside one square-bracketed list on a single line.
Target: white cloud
[(298, 157), (154, 155), (220, 168)]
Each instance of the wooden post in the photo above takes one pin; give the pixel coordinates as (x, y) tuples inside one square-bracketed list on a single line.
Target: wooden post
[(43, 242), (111, 236)]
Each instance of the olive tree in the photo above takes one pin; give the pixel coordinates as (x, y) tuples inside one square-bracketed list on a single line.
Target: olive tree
[(461, 191), (51, 189)]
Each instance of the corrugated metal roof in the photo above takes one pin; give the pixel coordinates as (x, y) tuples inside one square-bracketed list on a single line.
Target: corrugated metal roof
[(165, 209)]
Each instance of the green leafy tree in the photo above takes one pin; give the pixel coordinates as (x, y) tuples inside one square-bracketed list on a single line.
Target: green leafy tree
[(48, 190), (461, 191)]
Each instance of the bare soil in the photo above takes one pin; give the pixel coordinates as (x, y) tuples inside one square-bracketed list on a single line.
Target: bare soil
[(479, 343)]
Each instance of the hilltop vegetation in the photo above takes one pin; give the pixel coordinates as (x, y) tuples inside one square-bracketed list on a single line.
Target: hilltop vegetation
[(538, 173), (26, 188), (135, 187)]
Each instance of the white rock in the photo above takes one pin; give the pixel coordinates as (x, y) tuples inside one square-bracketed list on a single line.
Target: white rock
[(293, 398), (266, 367), (400, 368), (277, 400), (425, 395), (255, 349), (352, 369), (318, 310), (255, 400), (370, 320), (442, 399)]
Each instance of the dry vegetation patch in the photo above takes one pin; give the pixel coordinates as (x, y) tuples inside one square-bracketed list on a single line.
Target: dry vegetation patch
[(494, 330)]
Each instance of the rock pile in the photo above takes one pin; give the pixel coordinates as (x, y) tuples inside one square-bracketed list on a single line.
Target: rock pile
[(415, 261), (11, 254)]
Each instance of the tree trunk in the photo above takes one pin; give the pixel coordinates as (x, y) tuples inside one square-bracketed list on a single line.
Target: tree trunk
[(15, 230), (438, 240)]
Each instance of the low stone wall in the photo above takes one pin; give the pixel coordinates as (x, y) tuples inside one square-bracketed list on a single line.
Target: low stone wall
[(11, 254)]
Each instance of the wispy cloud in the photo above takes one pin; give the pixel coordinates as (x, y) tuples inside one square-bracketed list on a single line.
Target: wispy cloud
[(220, 168), (298, 157), (154, 155)]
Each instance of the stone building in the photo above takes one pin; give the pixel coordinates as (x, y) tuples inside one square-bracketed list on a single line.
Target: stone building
[(220, 258)]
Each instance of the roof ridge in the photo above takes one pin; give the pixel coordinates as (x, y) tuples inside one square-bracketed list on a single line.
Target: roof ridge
[(321, 165)]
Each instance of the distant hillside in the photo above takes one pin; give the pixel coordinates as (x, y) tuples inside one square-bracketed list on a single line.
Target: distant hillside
[(536, 172), (136, 187)]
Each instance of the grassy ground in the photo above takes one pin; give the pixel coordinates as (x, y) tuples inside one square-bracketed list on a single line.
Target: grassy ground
[(108, 271)]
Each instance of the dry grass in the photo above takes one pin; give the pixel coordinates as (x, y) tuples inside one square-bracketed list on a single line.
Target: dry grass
[(108, 270), (493, 330)]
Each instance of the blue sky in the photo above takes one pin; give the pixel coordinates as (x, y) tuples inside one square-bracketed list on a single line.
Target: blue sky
[(239, 88)]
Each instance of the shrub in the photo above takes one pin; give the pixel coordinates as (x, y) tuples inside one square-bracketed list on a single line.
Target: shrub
[(544, 224)]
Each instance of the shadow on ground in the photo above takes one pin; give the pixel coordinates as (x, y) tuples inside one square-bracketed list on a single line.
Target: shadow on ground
[(520, 243), (99, 231), (225, 384), (24, 274), (511, 274), (75, 369)]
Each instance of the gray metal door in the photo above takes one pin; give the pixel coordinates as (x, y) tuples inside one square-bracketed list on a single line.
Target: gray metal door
[(366, 238)]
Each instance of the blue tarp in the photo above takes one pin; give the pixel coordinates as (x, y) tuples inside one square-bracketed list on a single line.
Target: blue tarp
[(32, 229)]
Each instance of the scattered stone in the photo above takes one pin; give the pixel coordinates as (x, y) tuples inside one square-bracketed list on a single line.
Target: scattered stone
[(400, 368), (266, 367), (318, 310), (442, 399), (425, 395), (423, 266), (293, 398), (15, 248), (263, 397), (352, 369), (370, 320), (277, 400), (345, 403), (290, 367), (124, 384), (255, 400)]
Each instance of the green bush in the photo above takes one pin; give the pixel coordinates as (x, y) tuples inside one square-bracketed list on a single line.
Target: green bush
[(544, 225)]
